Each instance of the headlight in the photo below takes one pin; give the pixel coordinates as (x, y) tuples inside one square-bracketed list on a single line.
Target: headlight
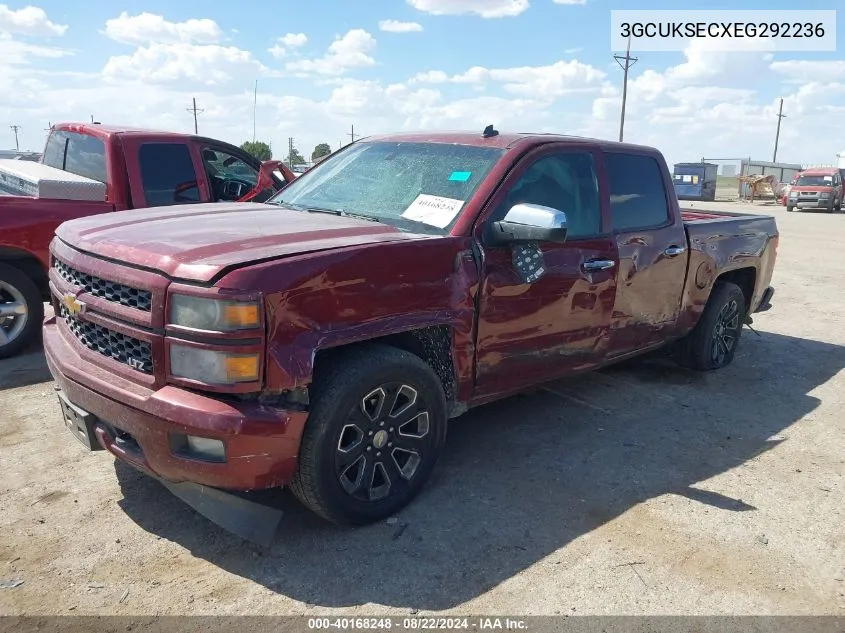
[(824, 194), (793, 194), (213, 314), (211, 366)]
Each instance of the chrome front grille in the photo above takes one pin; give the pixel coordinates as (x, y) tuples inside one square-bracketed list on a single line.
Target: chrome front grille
[(125, 349), (108, 290)]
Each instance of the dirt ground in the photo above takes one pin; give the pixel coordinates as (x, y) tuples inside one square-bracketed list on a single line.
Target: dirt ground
[(643, 490)]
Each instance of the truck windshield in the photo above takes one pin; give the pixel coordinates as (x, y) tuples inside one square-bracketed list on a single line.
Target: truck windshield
[(413, 186), (815, 181), (79, 154)]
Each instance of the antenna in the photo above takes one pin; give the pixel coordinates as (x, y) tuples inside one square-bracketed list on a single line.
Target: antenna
[(629, 61), (254, 107), (195, 111)]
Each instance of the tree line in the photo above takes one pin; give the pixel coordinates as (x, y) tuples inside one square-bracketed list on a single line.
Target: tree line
[(262, 151)]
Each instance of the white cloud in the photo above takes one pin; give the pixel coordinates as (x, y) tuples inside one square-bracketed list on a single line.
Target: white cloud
[(294, 40), (287, 42), (346, 53), (163, 63), (483, 8), (146, 28), (536, 82), (15, 53), (570, 2), (29, 20), (395, 26), (799, 70)]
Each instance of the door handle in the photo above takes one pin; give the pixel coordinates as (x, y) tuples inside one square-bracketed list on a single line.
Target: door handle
[(598, 264), (673, 251)]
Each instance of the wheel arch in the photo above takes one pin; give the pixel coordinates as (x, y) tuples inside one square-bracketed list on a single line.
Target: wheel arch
[(29, 265), (432, 344)]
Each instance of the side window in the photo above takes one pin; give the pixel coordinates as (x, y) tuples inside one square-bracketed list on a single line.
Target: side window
[(231, 177), (76, 153), (566, 182), (167, 174), (637, 194)]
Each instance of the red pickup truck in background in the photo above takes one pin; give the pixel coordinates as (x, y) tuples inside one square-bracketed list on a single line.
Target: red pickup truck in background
[(322, 340), (140, 168)]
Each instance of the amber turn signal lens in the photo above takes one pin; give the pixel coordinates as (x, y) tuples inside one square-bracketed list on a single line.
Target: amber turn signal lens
[(242, 368), (241, 316)]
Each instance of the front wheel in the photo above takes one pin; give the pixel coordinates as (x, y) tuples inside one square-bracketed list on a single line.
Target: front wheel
[(790, 208), (21, 311), (376, 429), (713, 341)]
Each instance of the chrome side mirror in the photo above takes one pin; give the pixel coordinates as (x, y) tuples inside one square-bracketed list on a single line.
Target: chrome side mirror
[(526, 222)]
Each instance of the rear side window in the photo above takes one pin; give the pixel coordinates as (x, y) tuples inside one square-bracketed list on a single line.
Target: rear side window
[(167, 174), (79, 154), (637, 194)]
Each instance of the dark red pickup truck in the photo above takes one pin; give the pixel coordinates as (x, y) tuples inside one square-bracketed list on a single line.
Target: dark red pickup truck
[(322, 340), (140, 168)]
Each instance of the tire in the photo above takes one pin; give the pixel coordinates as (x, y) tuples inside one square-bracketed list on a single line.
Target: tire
[(347, 426), (838, 207), (700, 349), (790, 209), (21, 311)]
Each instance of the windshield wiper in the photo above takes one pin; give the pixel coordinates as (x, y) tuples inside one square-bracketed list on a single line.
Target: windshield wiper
[(340, 212)]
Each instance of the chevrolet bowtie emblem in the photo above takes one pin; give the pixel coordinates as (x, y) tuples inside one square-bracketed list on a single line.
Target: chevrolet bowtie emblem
[(73, 305)]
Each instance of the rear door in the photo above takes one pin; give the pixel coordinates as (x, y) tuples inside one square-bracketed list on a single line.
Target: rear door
[(164, 171), (652, 245)]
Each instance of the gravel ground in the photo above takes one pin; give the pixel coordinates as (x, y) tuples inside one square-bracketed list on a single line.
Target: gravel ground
[(642, 490)]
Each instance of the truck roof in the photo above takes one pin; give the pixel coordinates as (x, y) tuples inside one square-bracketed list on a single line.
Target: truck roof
[(104, 131), (819, 171), (503, 140)]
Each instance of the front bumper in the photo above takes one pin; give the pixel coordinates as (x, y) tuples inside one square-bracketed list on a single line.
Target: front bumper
[(262, 443), (821, 203)]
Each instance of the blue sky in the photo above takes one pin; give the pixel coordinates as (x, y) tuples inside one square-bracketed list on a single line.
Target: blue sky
[(520, 64)]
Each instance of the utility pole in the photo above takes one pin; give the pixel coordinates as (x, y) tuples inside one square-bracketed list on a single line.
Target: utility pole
[(254, 107), (290, 152), (15, 129), (781, 115), (629, 61), (352, 134), (195, 112)]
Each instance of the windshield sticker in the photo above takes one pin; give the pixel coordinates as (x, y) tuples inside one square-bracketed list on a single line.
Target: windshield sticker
[(828, 178), (460, 176), (433, 210)]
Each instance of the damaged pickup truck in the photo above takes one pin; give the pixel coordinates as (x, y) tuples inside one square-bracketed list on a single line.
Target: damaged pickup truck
[(323, 339)]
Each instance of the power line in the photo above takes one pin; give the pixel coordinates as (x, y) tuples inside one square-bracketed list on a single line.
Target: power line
[(781, 115), (195, 112), (15, 129), (629, 61)]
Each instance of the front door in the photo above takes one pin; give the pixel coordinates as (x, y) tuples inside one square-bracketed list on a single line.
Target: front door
[(534, 330), (652, 245)]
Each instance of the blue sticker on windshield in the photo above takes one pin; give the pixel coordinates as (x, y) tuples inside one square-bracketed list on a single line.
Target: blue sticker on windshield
[(460, 176)]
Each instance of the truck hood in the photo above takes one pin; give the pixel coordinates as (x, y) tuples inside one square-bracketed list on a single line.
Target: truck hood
[(196, 242)]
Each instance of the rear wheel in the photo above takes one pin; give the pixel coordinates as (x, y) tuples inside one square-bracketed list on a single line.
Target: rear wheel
[(713, 342), (21, 310), (376, 429)]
